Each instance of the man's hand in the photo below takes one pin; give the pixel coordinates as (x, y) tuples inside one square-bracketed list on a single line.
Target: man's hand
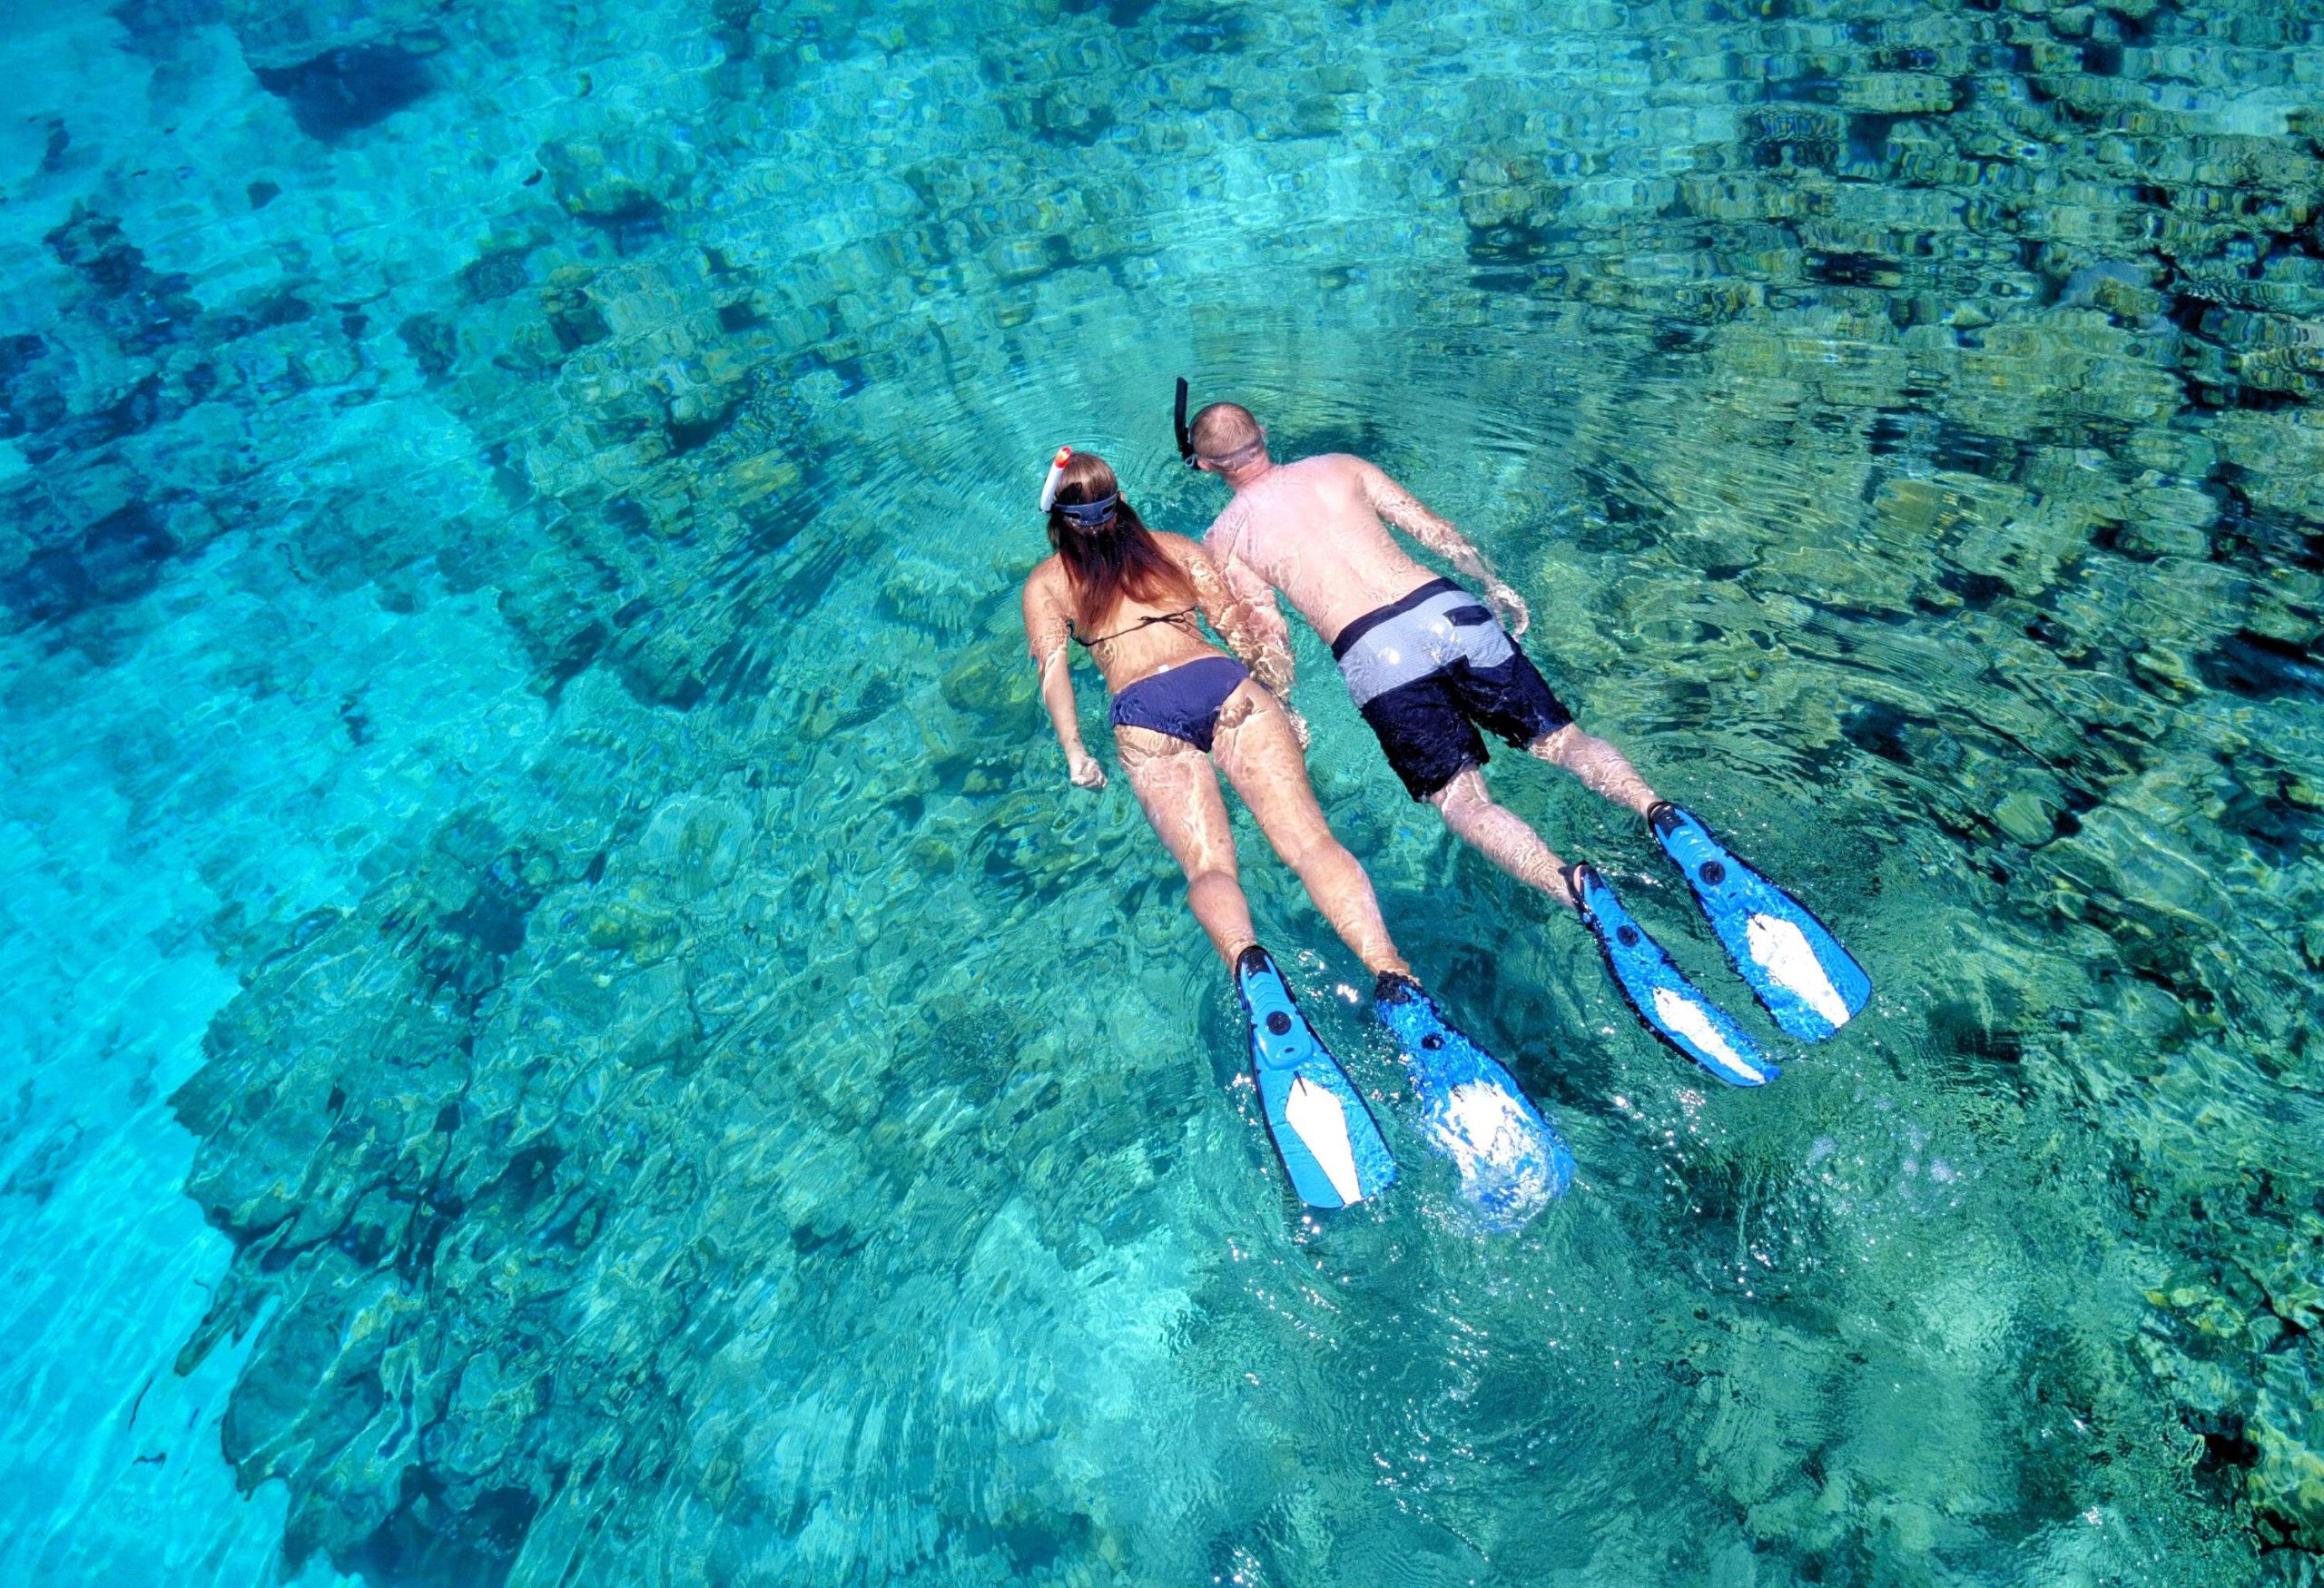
[(1083, 769), (1510, 606)]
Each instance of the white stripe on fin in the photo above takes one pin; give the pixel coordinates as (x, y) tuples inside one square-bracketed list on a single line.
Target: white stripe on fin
[(1488, 1123), (1781, 949), (1684, 1015), (1320, 1121)]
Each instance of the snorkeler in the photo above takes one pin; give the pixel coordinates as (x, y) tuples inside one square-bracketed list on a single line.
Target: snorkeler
[(1183, 712), (1428, 664)]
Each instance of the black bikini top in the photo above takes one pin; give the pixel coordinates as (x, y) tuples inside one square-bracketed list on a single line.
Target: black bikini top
[(1133, 628)]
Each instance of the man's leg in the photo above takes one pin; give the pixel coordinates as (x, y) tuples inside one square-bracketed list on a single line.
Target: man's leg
[(1603, 770), (1496, 832)]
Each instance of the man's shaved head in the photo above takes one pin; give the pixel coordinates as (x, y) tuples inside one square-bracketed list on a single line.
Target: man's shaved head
[(1223, 432)]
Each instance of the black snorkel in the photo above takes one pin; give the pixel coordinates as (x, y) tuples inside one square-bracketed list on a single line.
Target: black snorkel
[(1186, 441)]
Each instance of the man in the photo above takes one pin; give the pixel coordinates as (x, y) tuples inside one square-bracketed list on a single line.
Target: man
[(1429, 665)]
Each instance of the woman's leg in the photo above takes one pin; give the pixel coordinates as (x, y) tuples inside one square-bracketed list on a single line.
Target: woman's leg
[(1179, 792), (1256, 748)]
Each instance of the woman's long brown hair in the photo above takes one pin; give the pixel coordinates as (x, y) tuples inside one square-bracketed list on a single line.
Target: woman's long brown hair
[(1120, 560)]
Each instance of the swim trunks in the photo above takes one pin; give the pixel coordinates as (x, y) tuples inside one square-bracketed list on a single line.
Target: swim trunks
[(1183, 702), (1429, 670)]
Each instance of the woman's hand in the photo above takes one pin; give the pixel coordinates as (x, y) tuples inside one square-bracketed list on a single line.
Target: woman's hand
[(1510, 606), (1082, 767)]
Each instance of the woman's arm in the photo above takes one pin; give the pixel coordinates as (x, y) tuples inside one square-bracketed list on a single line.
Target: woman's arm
[(1049, 634), (1408, 513)]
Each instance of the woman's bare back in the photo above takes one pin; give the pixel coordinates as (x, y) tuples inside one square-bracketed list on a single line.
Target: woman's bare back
[(1140, 639)]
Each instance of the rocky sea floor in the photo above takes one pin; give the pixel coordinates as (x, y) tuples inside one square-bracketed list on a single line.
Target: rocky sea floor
[(566, 1027)]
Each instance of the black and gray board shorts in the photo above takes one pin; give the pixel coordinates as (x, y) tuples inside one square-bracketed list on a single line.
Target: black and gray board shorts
[(1429, 670)]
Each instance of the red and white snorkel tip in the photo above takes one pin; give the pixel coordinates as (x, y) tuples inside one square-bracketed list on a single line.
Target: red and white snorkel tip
[(1056, 476)]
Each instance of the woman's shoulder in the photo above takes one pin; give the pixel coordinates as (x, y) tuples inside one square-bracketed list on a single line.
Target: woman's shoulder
[(1046, 580)]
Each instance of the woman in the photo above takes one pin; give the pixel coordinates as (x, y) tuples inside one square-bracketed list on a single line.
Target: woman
[(1183, 712), (1134, 600)]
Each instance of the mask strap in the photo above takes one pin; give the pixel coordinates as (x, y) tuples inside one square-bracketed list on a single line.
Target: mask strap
[(1094, 515)]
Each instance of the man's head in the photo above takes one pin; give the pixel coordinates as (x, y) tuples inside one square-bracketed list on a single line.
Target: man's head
[(1226, 439)]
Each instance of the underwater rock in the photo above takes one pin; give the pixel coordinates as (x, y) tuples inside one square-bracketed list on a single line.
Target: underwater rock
[(1898, 93), (2167, 520), (697, 843), (2084, 366), (1509, 203), (140, 309), (951, 596), (992, 680), (343, 91), (623, 185), (114, 560), (2279, 458), (2024, 817), (2029, 550), (2288, 1426)]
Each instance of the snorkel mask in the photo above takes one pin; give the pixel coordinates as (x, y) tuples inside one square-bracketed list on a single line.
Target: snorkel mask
[(1094, 515)]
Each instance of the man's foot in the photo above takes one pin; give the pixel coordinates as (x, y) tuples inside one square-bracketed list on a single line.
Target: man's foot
[(1673, 1007), (1810, 984)]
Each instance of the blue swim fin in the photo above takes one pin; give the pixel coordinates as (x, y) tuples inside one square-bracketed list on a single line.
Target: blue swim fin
[(1671, 1006), (1807, 981), (1327, 1139), (1511, 1160)]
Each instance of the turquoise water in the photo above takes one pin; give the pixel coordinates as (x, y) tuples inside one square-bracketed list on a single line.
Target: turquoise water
[(566, 1027)]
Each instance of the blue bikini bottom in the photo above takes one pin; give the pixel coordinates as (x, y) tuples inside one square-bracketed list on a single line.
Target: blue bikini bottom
[(1183, 702)]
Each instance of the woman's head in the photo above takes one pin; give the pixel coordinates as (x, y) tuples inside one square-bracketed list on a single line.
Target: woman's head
[(1110, 554), (1086, 482)]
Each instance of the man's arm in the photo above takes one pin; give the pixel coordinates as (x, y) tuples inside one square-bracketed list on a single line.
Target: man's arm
[(1408, 513), (1248, 620), (1241, 608), (1048, 635)]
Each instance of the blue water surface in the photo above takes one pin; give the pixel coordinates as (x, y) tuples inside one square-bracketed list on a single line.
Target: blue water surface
[(566, 1027)]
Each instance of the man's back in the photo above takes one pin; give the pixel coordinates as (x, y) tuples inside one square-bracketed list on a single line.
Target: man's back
[(1312, 530)]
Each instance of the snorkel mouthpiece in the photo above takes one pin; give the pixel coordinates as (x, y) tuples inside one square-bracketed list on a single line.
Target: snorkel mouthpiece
[(1057, 474), (1178, 417)]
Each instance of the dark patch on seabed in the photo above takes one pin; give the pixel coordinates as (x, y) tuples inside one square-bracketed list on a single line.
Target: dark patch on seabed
[(343, 91), (118, 557), (731, 1114)]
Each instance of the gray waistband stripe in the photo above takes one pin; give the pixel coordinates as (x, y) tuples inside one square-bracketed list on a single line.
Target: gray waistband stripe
[(1453, 627)]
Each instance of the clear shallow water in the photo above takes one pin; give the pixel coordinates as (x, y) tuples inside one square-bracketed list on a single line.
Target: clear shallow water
[(566, 1027)]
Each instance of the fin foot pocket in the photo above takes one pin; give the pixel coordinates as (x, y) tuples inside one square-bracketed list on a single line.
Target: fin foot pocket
[(1328, 1142), (1669, 1005), (1512, 1161), (1810, 984)]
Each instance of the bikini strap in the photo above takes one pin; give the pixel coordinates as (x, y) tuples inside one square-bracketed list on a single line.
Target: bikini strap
[(1133, 629)]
